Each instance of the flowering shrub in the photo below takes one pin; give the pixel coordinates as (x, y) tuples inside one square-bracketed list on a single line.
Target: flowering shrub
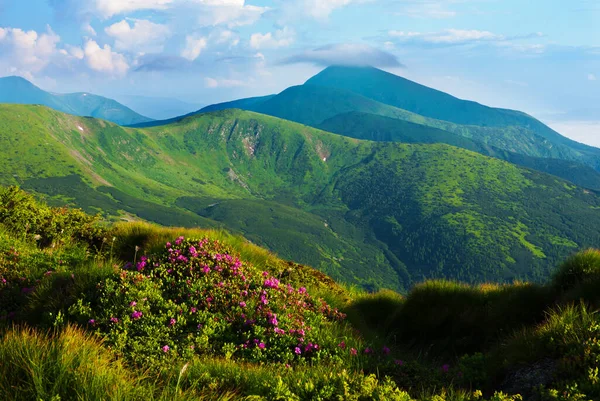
[(195, 297)]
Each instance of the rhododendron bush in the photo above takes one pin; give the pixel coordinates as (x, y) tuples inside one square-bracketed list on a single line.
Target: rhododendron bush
[(196, 297)]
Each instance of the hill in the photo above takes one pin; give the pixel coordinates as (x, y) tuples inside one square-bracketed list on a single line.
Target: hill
[(20, 91), (374, 127), (338, 91), (136, 311), (408, 95), (374, 213)]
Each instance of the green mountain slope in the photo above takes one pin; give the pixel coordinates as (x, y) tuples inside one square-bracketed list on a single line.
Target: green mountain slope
[(20, 91), (374, 213), (313, 104), (408, 95), (378, 128)]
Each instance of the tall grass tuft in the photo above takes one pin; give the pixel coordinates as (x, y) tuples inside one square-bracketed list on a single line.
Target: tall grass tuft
[(70, 365)]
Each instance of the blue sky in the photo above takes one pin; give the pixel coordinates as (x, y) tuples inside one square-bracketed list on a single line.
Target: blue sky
[(542, 57)]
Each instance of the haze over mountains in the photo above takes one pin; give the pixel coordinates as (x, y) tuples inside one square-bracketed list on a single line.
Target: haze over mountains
[(407, 189), (20, 91)]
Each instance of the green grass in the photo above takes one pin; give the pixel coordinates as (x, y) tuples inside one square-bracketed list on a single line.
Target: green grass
[(380, 215), (445, 339)]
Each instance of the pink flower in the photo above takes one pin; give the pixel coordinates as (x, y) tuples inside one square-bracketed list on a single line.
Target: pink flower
[(297, 350), (172, 322), (386, 350), (368, 350), (301, 290), (261, 345), (166, 348), (132, 303), (91, 322), (445, 368), (353, 351), (243, 304), (136, 315), (399, 362), (114, 320), (179, 240), (342, 345), (206, 269)]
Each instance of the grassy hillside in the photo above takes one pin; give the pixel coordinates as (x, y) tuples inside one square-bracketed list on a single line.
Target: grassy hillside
[(374, 127), (138, 312), (376, 214), (314, 104), (20, 91)]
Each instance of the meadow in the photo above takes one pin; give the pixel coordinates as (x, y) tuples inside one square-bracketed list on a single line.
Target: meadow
[(134, 311)]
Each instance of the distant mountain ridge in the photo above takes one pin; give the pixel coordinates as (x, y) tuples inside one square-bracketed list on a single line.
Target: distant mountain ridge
[(18, 90), (334, 99)]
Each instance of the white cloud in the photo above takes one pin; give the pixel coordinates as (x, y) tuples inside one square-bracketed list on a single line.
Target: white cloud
[(27, 52), (222, 83), (232, 13), (448, 36), (75, 51), (110, 8), (282, 38), (103, 59), (142, 37), (225, 36), (346, 54), (592, 77), (194, 45), (87, 28), (322, 9)]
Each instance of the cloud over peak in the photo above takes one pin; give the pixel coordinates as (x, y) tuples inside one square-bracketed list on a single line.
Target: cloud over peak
[(349, 54)]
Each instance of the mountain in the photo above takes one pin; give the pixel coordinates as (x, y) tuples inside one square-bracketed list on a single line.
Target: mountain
[(158, 108), (20, 91), (342, 90), (379, 214), (374, 127), (399, 92)]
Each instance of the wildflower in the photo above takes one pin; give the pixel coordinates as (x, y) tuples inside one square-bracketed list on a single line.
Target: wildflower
[(114, 320), (166, 348), (386, 350), (136, 315), (353, 351), (243, 304), (91, 322), (368, 350), (193, 309), (168, 245), (179, 240), (261, 345), (265, 274), (342, 345), (206, 269), (279, 331), (301, 290), (172, 322), (445, 368), (132, 303), (297, 350), (399, 362)]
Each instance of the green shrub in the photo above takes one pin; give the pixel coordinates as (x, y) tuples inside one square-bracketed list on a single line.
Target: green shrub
[(579, 268), (29, 219), (195, 298)]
